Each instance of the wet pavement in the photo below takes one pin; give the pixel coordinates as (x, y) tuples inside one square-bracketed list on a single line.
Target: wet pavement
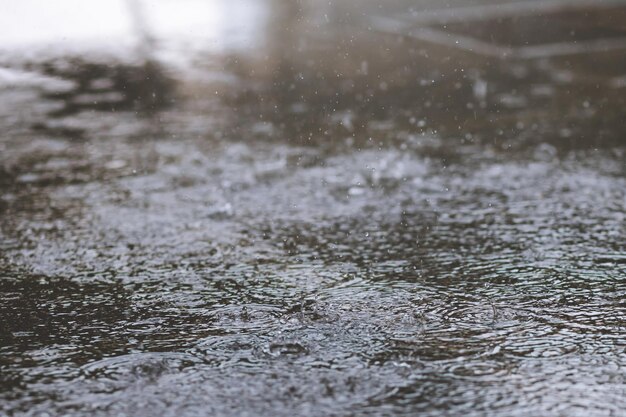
[(274, 208)]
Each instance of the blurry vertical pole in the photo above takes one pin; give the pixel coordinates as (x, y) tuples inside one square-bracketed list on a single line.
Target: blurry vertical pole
[(286, 19), (146, 43), (153, 86)]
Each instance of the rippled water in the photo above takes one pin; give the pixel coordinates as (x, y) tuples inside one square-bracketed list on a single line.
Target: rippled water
[(350, 223)]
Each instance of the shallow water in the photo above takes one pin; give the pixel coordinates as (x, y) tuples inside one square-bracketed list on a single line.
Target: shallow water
[(316, 218)]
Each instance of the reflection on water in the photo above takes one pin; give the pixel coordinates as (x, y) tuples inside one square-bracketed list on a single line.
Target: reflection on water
[(275, 209), (110, 88)]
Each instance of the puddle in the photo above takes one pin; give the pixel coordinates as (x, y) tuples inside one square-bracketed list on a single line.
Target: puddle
[(308, 217)]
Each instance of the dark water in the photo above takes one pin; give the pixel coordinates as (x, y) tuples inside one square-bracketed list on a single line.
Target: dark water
[(316, 219)]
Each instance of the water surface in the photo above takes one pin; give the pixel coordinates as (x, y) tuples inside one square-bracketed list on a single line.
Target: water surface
[(314, 218)]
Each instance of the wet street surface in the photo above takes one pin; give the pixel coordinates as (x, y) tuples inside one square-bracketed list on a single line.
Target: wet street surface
[(272, 208)]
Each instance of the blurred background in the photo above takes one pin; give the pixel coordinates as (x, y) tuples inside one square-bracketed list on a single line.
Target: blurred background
[(306, 207), (509, 72)]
